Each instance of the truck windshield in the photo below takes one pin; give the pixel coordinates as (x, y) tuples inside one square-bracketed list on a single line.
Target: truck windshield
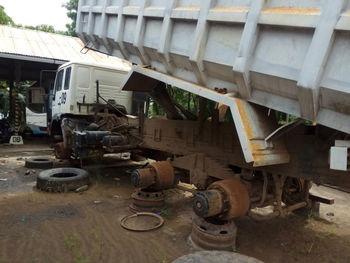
[(58, 84), (67, 78)]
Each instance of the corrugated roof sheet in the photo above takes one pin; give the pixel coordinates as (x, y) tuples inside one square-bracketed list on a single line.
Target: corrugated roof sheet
[(38, 44)]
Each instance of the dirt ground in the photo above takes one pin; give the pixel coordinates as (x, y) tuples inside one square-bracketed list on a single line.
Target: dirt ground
[(85, 227)]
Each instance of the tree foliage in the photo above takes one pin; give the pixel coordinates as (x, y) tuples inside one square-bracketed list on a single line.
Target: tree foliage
[(5, 95), (187, 100), (42, 27), (4, 99), (72, 8), (4, 18)]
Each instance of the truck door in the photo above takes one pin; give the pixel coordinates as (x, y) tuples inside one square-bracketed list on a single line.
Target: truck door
[(57, 95), (65, 95)]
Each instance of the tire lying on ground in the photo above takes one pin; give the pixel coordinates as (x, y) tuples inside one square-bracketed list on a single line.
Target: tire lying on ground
[(39, 163), (62, 179)]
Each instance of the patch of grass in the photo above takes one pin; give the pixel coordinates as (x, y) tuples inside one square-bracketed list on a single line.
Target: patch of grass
[(168, 228), (96, 234), (31, 197), (330, 233), (161, 256), (320, 236), (166, 212), (302, 251), (310, 248), (71, 243)]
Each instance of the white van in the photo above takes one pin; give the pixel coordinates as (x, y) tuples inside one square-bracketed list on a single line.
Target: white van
[(36, 115)]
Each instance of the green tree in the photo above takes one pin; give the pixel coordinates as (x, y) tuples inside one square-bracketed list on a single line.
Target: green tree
[(72, 8), (4, 98), (43, 27), (4, 18)]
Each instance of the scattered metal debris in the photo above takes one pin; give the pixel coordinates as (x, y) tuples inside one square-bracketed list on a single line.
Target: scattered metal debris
[(82, 188), (134, 227)]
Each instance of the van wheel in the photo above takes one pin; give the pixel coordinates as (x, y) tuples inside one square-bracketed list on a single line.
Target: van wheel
[(62, 179), (39, 163), (61, 152)]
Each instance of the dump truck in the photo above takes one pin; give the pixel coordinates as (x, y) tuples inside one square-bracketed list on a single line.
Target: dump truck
[(254, 60)]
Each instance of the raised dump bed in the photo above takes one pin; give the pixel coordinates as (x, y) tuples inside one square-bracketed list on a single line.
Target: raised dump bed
[(291, 56), (252, 56)]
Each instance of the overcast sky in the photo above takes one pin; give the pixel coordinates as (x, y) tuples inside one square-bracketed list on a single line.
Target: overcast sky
[(36, 12)]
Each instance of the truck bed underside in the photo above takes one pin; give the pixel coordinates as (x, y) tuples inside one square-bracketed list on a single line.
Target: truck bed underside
[(307, 146)]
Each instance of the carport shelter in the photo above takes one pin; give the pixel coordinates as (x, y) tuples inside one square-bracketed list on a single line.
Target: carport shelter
[(30, 55)]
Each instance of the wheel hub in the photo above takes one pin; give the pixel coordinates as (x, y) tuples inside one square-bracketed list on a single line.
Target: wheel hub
[(213, 234), (147, 201)]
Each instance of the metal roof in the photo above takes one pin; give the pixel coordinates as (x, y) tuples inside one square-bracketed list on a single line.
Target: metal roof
[(33, 45)]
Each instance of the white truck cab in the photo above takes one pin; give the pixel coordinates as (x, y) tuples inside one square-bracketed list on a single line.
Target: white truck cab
[(75, 87), (85, 97)]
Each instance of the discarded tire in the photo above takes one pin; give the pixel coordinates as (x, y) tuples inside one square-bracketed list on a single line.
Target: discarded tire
[(216, 257), (39, 163), (62, 179)]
